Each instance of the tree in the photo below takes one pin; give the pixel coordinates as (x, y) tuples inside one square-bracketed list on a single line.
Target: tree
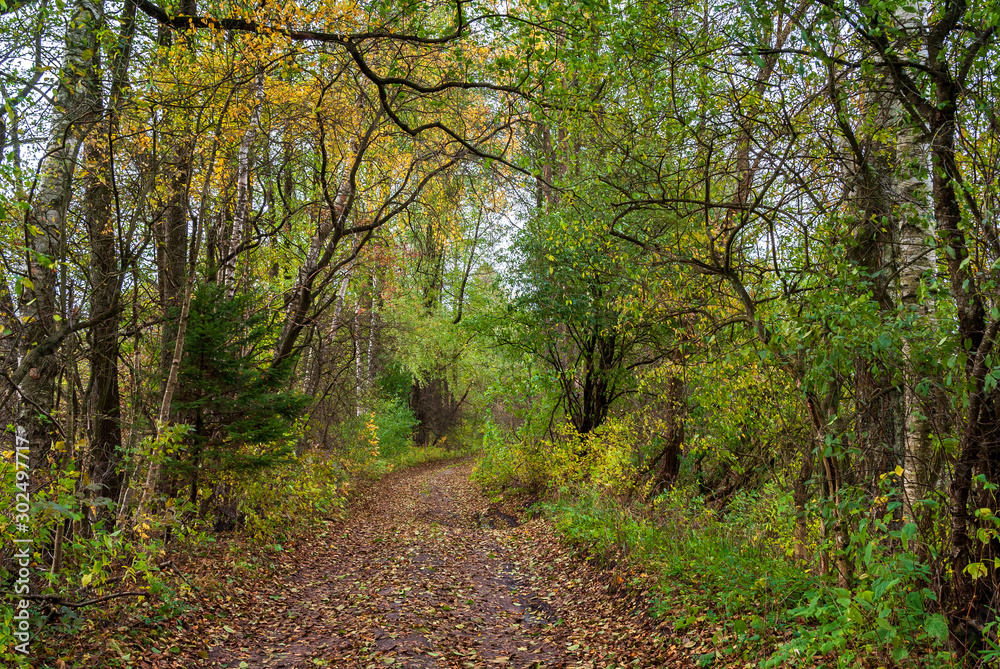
[(576, 287), (105, 269), (45, 226), (829, 263), (239, 407)]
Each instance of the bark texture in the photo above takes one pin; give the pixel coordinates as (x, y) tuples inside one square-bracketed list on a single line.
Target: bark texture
[(45, 227)]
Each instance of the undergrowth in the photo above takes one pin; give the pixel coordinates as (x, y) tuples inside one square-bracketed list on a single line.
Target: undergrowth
[(704, 575), (732, 573), (725, 574)]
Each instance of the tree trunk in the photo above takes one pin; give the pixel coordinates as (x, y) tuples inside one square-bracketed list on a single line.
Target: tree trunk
[(358, 410), (172, 248), (328, 235), (800, 496), (670, 464), (105, 403), (241, 216), (46, 226), (8, 361), (917, 259), (105, 277), (372, 332)]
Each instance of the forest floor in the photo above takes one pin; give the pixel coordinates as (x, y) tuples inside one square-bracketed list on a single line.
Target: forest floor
[(424, 572), (427, 573)]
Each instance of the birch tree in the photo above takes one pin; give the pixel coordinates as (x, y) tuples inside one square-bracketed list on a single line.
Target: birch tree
[(45, 229)]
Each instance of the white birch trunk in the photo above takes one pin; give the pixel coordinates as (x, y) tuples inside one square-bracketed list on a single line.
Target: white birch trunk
[(359, 376), (917, 259), (338, 306), (241, 215), (372, 328), (46, 222)]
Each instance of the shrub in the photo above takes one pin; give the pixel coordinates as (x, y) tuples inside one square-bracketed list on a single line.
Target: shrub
[(510, 461), (296, 494), (394, 422), (606, 458)]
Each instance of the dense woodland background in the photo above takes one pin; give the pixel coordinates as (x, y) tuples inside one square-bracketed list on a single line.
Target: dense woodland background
[(716, 280)]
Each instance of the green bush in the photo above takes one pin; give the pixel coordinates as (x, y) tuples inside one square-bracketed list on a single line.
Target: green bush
[(395, 422), (890, 612), (95, 559), (765, 520), (509, 461)]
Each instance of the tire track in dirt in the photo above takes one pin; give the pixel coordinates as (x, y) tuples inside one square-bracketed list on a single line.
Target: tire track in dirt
[(425, 574)]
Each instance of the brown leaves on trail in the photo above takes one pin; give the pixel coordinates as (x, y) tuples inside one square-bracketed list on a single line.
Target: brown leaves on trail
[(603, 618), (424, 574)]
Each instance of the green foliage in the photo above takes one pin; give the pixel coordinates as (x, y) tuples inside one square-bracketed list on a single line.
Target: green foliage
[(291, 497), (358, 445), (380, 442), (765, 521), (891, 612), (419, 455), (509, 462), (430, 343), (394, 422), (394, 382), (731, 571), (240, 408), (734, 438), (697, 558), (575, 312), (890, 615), (89, 560), (605, 459)]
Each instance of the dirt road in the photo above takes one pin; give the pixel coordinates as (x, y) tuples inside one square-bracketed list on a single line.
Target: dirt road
[(425, 574)]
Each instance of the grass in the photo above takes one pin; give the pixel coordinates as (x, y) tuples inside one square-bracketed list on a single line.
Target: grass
[(731, 582), (704, 574), (412, 455)]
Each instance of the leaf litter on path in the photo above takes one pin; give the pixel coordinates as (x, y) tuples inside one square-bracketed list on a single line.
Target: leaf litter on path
[(426, 574)]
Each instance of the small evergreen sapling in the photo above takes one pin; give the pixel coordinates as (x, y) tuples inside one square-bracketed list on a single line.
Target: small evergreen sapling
[(240, 408)]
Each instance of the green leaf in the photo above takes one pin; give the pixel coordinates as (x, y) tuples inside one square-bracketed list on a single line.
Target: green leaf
[(936, 626), (976, 570)]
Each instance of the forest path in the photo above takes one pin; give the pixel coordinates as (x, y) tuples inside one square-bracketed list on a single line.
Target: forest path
[(427, 574)]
